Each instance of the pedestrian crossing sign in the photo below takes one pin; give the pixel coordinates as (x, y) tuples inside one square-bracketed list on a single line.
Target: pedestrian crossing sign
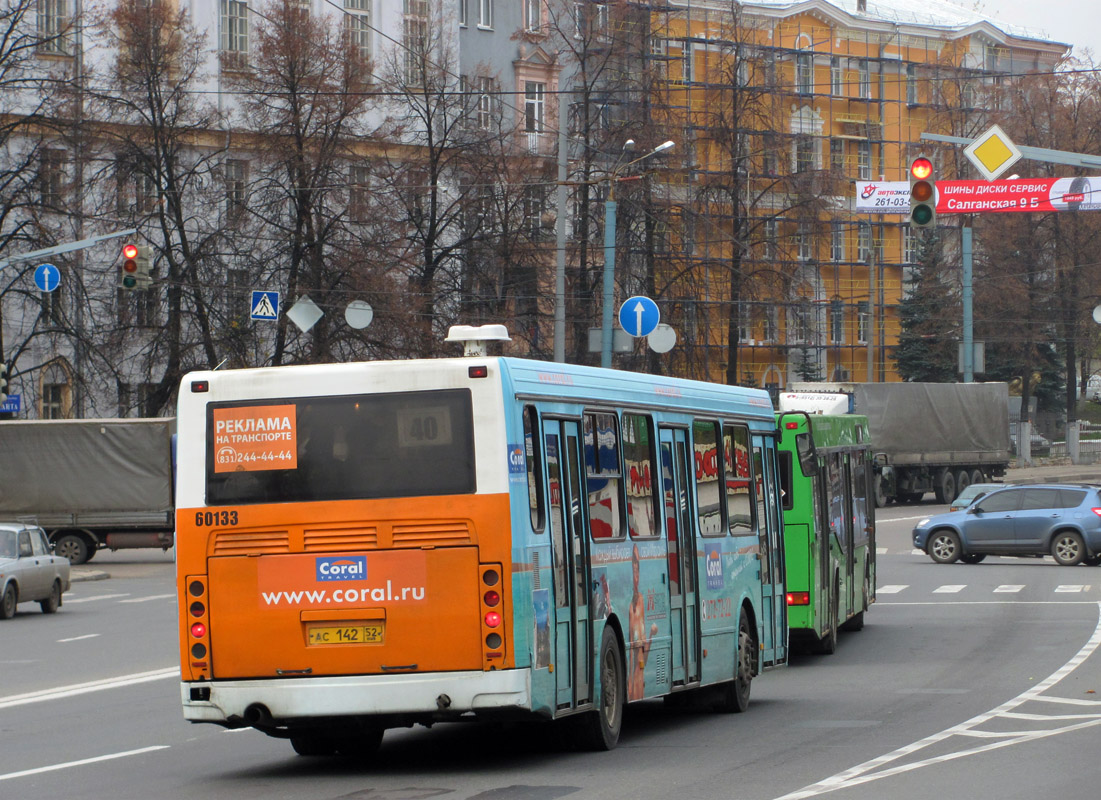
[(265, 305)]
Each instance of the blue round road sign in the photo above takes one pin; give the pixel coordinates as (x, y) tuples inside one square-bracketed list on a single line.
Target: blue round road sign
[(47, 277), (639, 315)]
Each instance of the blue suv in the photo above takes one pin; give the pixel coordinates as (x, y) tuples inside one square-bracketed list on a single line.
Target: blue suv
[(1063, 521)]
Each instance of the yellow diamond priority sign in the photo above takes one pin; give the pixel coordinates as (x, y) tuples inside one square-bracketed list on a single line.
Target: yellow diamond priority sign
[(992, 153)]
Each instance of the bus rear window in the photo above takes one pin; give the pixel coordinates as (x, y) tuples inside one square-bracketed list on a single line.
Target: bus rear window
[(351, 447)]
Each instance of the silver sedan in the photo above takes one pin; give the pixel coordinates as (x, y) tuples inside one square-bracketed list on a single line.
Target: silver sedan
[(29, 571)]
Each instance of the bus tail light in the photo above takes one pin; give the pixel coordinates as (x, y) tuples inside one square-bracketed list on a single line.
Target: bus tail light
[(798, 598), (198, 632), (493, 615)]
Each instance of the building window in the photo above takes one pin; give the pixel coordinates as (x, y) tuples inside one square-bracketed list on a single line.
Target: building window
[(485, 13), (687, 72), (770, 326), (415, 40), (658, 56), (865, 70), (837, 241), (909, 246), (51, 174), (53, 312), (800, 328), (486, 90), (534, 206), (54, 400), (53, 26), (863, 243), (235, 30), (806, 242), (534, 106), (136, 400), (911, 85), (772, 235), (837, 77), (806, 154), (837, 155), (864, 160), (804, 73), (863, 322), (533, 15), (357, 24), (837, 321), (463, 12), (745, 324), (237, 297), (236, 173), (359, 178), (769, 161)]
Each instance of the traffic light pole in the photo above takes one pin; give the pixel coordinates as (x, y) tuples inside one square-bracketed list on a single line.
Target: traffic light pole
[(966, 296), (66, 248)]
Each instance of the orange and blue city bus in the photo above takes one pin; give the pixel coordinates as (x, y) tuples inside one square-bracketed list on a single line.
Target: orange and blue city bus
[(373, 545)]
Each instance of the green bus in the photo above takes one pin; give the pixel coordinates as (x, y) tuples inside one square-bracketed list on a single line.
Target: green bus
[(829, 524)]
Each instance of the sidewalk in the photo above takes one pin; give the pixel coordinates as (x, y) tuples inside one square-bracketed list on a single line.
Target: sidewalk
[(1054, 473)]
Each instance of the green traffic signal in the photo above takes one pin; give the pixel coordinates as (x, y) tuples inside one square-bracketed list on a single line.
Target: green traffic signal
[(921, 215)]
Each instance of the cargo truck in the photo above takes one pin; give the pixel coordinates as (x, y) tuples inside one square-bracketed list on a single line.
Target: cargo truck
[(926, 437), (90, 483)]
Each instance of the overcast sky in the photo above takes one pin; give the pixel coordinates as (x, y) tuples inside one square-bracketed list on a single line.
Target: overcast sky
[(1076, 22)]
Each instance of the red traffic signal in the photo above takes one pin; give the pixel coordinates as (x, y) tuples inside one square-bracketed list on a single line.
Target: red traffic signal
[(136, 266), (923, 195), (922, 168)]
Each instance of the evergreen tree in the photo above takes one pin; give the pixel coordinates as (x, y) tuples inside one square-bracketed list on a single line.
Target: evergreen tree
[(807, 367), (927, 349)]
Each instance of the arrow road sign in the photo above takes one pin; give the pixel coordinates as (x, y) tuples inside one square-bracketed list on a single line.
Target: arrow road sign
[(265, 305), (47, 277), (639, 316)]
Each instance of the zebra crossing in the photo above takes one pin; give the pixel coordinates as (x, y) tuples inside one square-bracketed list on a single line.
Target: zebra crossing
[(963, 588)]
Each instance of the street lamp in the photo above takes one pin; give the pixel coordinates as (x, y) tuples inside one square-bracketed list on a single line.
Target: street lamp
[(609, 246)]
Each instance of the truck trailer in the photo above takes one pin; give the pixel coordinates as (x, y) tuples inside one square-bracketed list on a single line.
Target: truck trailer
[(90, 483), (927, 437)]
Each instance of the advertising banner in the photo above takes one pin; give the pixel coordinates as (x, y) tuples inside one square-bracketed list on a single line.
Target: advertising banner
[(251, 438), (980, 197)]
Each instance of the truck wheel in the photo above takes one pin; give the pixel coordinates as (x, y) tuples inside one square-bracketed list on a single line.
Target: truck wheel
[(977, 476), (73, 547), (945, 488), (880, 492), (963, 480)]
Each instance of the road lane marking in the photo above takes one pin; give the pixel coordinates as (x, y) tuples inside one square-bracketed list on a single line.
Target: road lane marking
[(891, 588), (69, 601), (78, 638), (950, 588), (1009, 587), (874, 770), (1068, 588), (75, 689), (147, 599), (68, 764)]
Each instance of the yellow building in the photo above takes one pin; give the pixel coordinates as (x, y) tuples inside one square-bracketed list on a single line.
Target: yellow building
[(781, 108)]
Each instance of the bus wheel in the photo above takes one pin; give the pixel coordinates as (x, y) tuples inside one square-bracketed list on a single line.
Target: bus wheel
[(880, 492), (313, 744), (733, 697), (600, 729)]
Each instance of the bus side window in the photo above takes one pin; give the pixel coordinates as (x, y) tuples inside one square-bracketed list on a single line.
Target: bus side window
[(603, 476), (707, 464), (533, 459), (638, 459), (739, 501), (759, 489)]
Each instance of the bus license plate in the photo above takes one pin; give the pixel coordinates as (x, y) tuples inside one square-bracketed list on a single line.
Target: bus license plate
[(370, 633)]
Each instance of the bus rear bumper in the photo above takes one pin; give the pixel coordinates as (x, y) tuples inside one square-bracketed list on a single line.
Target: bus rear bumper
[(450, 693)]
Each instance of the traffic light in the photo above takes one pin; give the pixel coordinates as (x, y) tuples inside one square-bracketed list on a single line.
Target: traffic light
[(923, 193), (137, 266), (3, 383)]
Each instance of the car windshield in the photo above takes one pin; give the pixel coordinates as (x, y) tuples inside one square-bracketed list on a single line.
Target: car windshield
[(8, 547)]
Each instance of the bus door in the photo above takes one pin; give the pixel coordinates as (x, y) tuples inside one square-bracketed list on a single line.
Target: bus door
[(850, 537), (681, 548), (774, 604), (572, 657)]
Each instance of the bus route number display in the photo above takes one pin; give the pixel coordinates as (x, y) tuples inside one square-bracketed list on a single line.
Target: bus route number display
[(424, 427), (254, 438)]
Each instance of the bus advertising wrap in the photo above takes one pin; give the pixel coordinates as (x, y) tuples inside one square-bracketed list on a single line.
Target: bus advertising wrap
[(312, 581), (980, 197)]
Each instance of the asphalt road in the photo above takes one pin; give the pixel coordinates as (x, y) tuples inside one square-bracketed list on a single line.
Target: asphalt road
[(967, 681)]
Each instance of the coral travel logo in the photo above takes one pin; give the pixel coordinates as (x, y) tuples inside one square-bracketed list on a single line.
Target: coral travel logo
[(713, 567), (341, 568)]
